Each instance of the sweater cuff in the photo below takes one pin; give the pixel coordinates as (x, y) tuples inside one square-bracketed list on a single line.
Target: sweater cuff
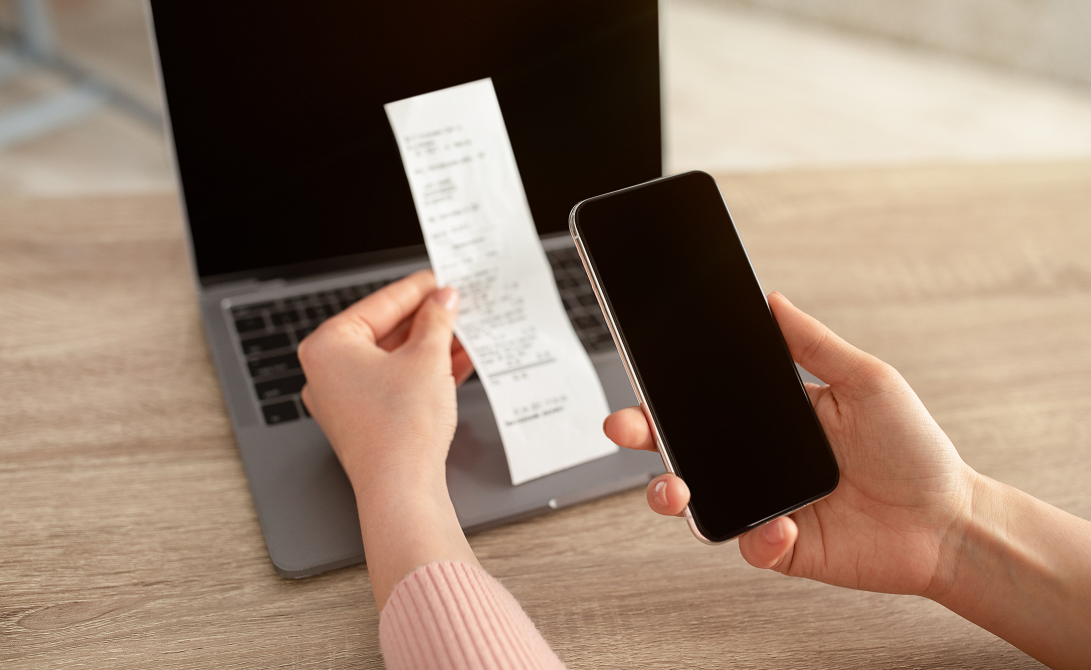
[(453, 615)]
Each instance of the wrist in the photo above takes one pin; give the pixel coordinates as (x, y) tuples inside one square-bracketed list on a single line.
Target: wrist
[(1018, 569), (977, 546), (398, 484), (968, 515), (407, 520)]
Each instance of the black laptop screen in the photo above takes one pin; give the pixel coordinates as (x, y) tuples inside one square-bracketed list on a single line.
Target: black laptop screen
[(285, 153)]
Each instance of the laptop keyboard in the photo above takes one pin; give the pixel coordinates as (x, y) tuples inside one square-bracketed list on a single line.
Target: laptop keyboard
[(269, 332)]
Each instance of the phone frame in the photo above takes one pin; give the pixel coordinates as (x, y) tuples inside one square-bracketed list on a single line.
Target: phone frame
[(634, 377)]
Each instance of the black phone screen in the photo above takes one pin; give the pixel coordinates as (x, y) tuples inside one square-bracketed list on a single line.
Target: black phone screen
[(706, 350)]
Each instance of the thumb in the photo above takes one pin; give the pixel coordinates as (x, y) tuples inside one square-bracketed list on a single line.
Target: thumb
[(816, 347), (435, 319), (772, 545)]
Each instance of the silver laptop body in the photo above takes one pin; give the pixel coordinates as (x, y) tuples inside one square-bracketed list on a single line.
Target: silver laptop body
[(303, 499), (253, 323)]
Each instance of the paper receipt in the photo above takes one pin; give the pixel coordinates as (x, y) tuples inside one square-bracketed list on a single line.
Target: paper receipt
[(544, 392)]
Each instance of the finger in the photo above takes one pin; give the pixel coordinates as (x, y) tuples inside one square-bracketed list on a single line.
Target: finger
[(668, 495), (816, 347), (461, 366), (815, 391), (770, 546), (400, 334), (396, 337), (432, 328), (629, 428), (379, 314)]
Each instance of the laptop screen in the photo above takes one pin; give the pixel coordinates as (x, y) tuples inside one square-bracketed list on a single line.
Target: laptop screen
[(284, 150)]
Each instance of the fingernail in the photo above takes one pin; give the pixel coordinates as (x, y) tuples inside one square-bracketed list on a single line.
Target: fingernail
[(783, 297), (448, 297), (660, 493), (774, 532)]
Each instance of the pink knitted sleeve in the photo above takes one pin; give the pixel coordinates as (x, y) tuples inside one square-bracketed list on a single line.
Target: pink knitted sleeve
[(452, 615)]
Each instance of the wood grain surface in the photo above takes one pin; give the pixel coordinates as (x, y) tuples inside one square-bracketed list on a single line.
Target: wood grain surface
[(128, 538)]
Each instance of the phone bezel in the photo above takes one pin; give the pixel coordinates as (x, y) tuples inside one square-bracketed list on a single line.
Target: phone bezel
[(634, 376)]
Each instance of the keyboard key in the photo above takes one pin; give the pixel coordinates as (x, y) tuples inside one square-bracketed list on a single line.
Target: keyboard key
[(292, 311), (263, 343), (280, 387), (586, 322), (250, 324), (284, 318), (567, 282), (306, 412), (272, 365), (252, 308), (319, 313), (588, 300), (280, 412), (300, 333)]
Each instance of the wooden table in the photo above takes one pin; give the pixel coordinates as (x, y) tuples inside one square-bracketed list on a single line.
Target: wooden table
[(128, 538)]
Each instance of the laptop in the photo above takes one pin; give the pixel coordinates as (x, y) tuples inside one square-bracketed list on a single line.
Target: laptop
[(297, 205)]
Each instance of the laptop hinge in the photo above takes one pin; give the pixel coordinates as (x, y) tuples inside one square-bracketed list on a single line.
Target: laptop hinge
[(237, 287)]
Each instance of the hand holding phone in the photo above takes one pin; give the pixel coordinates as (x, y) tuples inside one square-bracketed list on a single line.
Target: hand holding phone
[(908, 515), (728, 410), (902, 483)]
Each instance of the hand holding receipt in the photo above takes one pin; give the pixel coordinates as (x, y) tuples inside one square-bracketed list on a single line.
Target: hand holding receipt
[(546, 397)]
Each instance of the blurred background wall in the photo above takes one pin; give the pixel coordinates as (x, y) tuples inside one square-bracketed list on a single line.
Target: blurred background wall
[(753, 87), (1048, 37), (750, 85)]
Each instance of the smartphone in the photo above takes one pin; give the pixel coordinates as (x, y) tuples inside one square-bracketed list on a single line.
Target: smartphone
[(704, 353)]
